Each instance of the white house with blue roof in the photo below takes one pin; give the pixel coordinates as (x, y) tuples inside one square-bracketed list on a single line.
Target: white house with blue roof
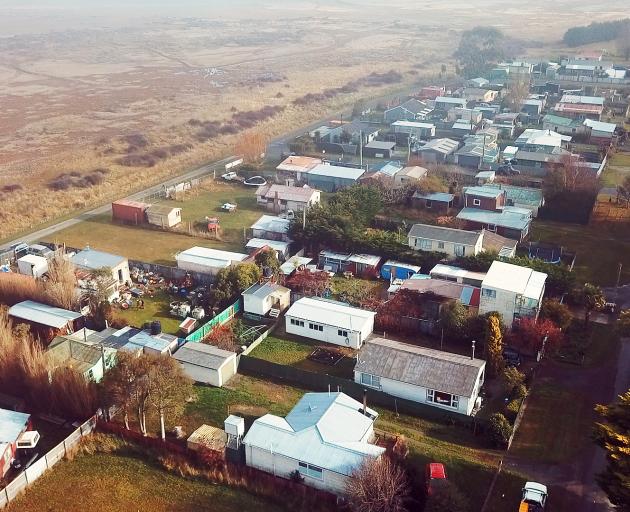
[(92, 260), (325, 437)]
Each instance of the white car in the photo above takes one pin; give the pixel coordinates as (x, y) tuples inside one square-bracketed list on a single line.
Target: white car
[(229, 176), (228, 207)]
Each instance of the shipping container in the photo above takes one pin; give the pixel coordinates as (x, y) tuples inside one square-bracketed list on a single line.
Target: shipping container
[(133, 212)]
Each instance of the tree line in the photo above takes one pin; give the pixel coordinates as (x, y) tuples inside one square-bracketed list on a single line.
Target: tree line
[(595, 32)]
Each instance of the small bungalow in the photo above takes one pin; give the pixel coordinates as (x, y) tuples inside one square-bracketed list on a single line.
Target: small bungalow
[(409, 175), (432, 92), (475, 153), (92, 260), (281, 248), (510, 222), (521, 197), (206, 364), (437, 150), (438, 202), (207, 261), (446, 103), (280, 198), (484, 198), (414, 129), (433, 377), (532, 108), (580, 107), (270, 227), (164, 216), (266, 298), (324, 438), (379, 149), (358, 264), (600, 133), (479, 95), (410, 110), (479, 82), (297, 166), (506, 123), (89, 360), (563, 125), (454, 242), (47, 321), (329, 321), (331, 178), (294, 263), (12, 425), (397, 270)]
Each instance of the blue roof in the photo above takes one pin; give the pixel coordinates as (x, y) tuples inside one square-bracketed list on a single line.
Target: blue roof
[(507, 218), (95, 260), (390, 168), (441, 197), (12, 424)]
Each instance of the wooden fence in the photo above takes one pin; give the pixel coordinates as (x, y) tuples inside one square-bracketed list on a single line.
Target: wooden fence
[(25, 479)]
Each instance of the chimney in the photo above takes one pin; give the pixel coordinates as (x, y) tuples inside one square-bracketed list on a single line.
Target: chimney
[(276, 203), (473, 350), (365, 402)]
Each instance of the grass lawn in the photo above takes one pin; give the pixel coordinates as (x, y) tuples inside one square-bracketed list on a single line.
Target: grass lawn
[(294, 351), (155, 246), (155, 308), (114, 482), (617, 170), (599, 250)]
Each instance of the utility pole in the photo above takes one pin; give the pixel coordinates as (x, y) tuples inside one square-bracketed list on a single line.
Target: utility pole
[(361, 148)]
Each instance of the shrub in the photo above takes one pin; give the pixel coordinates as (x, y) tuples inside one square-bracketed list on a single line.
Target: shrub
[(500, 430), (12, 188), (511, 410), (512, 378)]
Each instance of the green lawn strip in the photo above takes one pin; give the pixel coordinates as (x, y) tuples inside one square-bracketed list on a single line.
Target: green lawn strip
[(616, 171), (116, 482), (506, 494), (599, 251), (155, 308), (282, 351)]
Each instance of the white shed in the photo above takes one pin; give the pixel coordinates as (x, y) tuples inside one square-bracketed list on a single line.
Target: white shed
[(208, 261), (329, 321), (164, 216), (206, 363), (31, 265), (260, 298)]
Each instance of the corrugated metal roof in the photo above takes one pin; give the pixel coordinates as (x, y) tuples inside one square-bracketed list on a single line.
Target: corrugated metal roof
[(262, 290), (399, 264), (298, 164), (43, 314), (335, 171), (365, 259), (161, 209), (323, 429), (466, 294), (414, 124), (276, 245), (440, 197), (583, 100), (419, 366), (444, 234), (330, 313), (298, 194), (600, 127), (210, 257), (12, 423), (445, 146), (289, 266), (506, 218), (380, 144), (483, 191), (200, 354), (95, 260), (272, 224), (451, 271)]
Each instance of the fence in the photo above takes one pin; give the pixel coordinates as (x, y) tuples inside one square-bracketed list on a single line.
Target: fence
[(260, 339), (172, 273), (37, 469), (321, 382), (226, 315)]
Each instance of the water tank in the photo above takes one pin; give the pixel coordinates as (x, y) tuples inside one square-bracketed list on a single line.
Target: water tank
[(234, 426), (156, 327)]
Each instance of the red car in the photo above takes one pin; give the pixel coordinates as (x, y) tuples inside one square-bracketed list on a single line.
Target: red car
[(435, 476)]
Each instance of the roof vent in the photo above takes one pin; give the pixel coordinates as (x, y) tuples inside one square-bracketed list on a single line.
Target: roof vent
[(311, 408)]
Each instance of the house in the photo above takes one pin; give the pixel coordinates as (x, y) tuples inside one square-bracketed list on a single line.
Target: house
[(562, 125), (479, 95), (510, 222), (462, 129), (541, 140), (89, 360), (432, 92), (580, 107), (446, 103), (33, 266), (437, 292), (600, 133), (379, 149), (131, 212), (506, 123), (415, 129), (410, 110), (457, 275), (438, 202), (297, 166), (12, 425), (515, 292), (521, 197), (454, 242), (357, 264), (391, 270), (206, 364), (471, 116), (484, 198), (331, 178), (409, 175), (270, 227), (437, 150), (260, 298), (329, 321), (354, 132), (281, 248), (47, 321), (532, 108), (478, 83), (280, 198), (92, 260), (475, 153), (207, 261), (164, 216), (325, 438), (432, 377)]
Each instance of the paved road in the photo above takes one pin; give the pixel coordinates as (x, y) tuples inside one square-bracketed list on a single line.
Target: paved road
[(47, 231)]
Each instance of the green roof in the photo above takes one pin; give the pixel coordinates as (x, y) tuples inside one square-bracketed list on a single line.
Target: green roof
[(560, 121)]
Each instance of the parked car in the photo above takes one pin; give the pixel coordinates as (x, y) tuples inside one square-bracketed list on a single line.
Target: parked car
[(511, 357), (255, 181), (534, 497), (435, 477), (229, 176), (40, 250)]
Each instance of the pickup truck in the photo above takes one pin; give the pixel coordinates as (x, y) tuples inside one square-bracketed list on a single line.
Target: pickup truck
[(534, 497)]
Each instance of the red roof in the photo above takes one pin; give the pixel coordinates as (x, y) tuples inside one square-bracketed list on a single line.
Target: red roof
[(437, 471)]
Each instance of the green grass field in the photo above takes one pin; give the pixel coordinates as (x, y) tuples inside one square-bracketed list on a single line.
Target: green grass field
[(617, 170), (599, 251), (156, 246), (155, 308), (113, 483)]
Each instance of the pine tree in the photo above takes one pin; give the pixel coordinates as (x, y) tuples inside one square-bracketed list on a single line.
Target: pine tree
[(494, 345)]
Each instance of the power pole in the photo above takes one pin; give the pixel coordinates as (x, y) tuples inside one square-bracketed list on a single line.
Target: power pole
[(361, 148)]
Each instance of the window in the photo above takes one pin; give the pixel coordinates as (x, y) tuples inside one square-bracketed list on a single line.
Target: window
[(299, 323), (311, 470), (425, 244), (492, 227), (342, 333), (476, 202), (316, 327), (437, 397), (440, 245), (489, 293), (429, 203), (460, 250), (370, 380)]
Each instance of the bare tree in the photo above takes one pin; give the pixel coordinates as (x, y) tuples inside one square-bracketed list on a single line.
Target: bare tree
[(61, 287), (252, 145), (119, 383), (379, 485), (518, 90), (169, 388)]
